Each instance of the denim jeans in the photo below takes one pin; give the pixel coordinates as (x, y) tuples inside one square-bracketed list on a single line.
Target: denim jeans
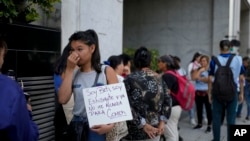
[(217, 108), (191, 112), (92, 136), (247, 99), (239, 109)]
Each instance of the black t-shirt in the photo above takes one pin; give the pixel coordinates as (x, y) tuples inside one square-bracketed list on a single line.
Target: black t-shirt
[(172, 84)]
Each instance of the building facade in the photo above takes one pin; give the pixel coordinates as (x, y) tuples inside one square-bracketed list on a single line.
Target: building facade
[(178, 27)]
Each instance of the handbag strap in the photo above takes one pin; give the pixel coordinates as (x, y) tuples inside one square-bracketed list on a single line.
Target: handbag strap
[(163, 86), (96, 78)]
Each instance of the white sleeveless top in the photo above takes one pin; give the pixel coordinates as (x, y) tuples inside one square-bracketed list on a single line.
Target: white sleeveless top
[(85, 80)]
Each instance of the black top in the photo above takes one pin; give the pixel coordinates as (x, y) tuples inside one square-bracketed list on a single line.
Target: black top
[(173, 85)]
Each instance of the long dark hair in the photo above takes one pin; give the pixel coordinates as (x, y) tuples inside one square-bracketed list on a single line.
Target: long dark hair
[(89, 37), (196, 55), (61, 62), (142, 58)]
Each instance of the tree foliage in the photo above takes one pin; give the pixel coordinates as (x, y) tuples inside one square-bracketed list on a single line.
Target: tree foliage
[(24, 10)]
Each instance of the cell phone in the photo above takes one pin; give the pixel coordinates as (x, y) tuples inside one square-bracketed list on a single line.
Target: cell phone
[(27, 97), (11, 74)]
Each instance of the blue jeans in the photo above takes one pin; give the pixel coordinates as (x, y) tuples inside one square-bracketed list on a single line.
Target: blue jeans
[(247, 99), (217, 108), (191, 112), (239, 109), (92, 136)]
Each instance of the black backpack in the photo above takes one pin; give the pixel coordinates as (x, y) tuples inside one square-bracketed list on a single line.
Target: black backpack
[(224, 87)]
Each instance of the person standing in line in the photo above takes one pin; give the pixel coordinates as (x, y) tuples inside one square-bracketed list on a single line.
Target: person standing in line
[(149, 101), (85, 54), (246, 89), (200, 76), (167, 63), (127, 64), (193, 65), (117, 64), (120, 129), (16, 122), (63, 113), (183, 73), (181, 70), (217, 105), (247, 86)]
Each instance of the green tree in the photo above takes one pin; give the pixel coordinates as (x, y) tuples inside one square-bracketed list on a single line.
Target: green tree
[(24, 10)]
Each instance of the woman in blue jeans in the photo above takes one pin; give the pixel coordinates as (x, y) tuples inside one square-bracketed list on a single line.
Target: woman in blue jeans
[(85, 54), (246, 89), (247, 99)]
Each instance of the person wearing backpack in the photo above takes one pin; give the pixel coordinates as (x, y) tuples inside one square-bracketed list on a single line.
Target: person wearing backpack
[(222, 87), (165, 64)]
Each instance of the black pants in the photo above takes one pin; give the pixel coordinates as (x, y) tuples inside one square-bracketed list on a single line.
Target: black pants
[(201, 98), (61, 125)]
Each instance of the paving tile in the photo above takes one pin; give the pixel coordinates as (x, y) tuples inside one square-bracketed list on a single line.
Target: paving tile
[(189, 134)]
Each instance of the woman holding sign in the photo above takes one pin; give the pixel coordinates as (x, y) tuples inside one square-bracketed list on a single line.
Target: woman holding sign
[(85, 54), (150, 103)]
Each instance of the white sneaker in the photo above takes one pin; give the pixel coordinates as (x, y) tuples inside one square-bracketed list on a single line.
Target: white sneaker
[(192, 121), (205, 120)]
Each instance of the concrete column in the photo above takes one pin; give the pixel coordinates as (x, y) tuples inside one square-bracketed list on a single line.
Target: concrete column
[(234, 19), (220, 24), (234, 22), (69, 19), (245, 29), (104, 16)]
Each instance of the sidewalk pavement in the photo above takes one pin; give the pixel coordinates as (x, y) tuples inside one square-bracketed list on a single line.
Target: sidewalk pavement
[(189, 134)]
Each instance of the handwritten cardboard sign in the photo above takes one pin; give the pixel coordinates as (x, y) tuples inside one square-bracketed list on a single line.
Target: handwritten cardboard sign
[(107, 104)]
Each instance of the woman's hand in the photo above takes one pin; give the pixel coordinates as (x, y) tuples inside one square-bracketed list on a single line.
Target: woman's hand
[(161, 128), (210, 98), (73, 60), (29, 107), (102, 129), (202, 69), (150, 130)]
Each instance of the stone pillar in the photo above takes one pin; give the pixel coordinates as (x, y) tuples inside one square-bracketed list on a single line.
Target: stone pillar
[(234, 23), (220, 24), (104, 16), (69, 20)]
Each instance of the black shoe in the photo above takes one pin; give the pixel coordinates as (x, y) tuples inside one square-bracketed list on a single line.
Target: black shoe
[(247, 118), (197, 126), (208, 129)]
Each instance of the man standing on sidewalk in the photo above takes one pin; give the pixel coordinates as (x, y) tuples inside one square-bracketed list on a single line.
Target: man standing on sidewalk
[(219, 103)]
